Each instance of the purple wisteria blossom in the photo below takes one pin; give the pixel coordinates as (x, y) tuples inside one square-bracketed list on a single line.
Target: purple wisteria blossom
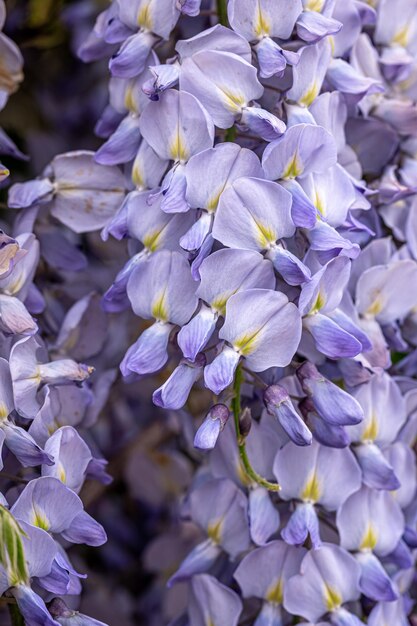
[(219, 296)]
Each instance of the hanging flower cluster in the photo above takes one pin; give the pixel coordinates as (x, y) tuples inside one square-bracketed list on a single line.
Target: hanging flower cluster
[(44, 402), (263, 171)]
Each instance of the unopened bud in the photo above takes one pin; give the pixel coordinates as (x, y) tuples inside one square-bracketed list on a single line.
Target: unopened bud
[(274, 396), (278, 403), (209, 431), (332, 403), (245, 422), (306, 406), (58, 608)]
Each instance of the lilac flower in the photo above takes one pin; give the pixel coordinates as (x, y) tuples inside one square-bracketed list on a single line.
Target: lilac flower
[(227, 95), (151, 22), (66, 405), (47, 504), (329, 577), (309, 73), (264, 573), (127, 99), (209, 173), (247, 217), (334, 336), (263, 341), (374, 535), (314, 475), (81, 194), (379, 399), (71, 455), (303, 150), (222, 274), (382, 294), (211, 601), (220, 509), (288, 286), (187, 130), (28, 374), (153, 292), (155, 229), (259, 24)]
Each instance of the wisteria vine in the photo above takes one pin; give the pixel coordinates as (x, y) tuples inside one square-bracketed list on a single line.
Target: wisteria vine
[(256, 190)]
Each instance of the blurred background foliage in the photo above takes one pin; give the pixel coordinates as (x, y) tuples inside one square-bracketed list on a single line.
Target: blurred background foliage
[(60, 99), (150, 452)]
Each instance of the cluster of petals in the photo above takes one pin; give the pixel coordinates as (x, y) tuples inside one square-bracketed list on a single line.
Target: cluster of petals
[(263, 176)]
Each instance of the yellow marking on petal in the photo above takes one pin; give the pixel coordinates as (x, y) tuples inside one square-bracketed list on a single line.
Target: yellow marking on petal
[(376, 306), (159, 308), (137, 178), (219, 304), (332, 598), (294, 167), (310, 95), (246, 344), (40, 520), (214, 201), (214, 531), (3, 411), (53, 427), (62, 474), (319, 204), (401, 36), (145, 17), (314, 5), (234, 101), (130, 102), (312, 489), (275, 592), (262, 24), (265, 234), (319, 303), (152, 240), (178, 149), (404, 85), (371, 431), (370, 539)]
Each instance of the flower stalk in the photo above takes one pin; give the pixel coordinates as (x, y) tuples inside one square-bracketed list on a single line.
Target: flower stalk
[(241, 443)]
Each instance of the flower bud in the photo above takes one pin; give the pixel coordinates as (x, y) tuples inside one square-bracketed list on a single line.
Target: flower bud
[(278, 404), (214, 422), (334, 405), (245, 422)]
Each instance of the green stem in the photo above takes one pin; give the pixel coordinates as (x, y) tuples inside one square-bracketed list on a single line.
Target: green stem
[(230, 134), (222, 12), (236, 408), (15, 615)]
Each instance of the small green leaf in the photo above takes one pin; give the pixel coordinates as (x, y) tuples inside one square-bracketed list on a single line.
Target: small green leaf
[(12, 554), (41, 13), (396, 357), (15, 615)]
